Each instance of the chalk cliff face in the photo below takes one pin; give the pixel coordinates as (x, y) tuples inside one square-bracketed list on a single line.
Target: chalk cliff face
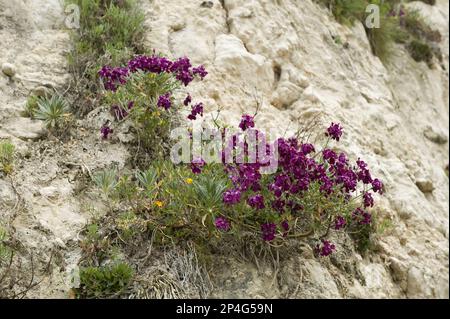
[(281, 53)]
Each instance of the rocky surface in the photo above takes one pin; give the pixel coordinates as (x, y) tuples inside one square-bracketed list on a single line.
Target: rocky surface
[(395, 116), (282, 55)]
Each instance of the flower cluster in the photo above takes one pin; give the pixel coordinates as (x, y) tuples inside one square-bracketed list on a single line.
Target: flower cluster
[(232, 196), (334, 131), (246, 122), (197, 165), (326, 248), (105, 131), (283, 195), (339, 222), (197, 109), (181, 68), (164, 101), (180, 71), (256, 201), (113, 77), (222, 224)]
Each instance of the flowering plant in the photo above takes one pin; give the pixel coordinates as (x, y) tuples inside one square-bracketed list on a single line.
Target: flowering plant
[(311, 193), (144, 91)]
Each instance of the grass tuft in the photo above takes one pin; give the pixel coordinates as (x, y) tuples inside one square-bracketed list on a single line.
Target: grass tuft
[(6, 157), (110, 33)]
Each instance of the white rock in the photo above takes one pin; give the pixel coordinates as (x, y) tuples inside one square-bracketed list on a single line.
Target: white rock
[(25, 128), (7, 195), (253, 70), (416, 283)]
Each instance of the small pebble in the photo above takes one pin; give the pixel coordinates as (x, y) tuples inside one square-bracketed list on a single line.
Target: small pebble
[(8, 69)]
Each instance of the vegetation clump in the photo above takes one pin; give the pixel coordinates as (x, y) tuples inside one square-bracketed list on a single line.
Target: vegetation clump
[(6, 157), (53, 111), (110, 33), (104, 282), (397, 25)]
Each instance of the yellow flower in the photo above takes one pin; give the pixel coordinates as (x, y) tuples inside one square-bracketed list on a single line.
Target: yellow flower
[(189, 180), (159, 203)]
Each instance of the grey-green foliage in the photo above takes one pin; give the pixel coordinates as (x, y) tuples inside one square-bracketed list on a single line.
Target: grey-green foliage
[(148, 179), (106, 181), (209, 190), (104, 281), (52, 111)]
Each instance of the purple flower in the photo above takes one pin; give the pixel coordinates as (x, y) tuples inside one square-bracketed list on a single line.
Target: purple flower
[(368, 200), (197, 109), (329, 155), (200, 70), (197, 165), (364, 176), (153, 64), (164, 101), (187, 100), (181, 68), (246, 122), (307, 148), (283, 182), (339, 222), (361, 164), (232, 196), (327, 185), (334, 131), (342, 159), (268, 231), (222, 224), (326, 249), (256, 201), (105, 131), (377, 186), (112, 77), (277, 191)]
